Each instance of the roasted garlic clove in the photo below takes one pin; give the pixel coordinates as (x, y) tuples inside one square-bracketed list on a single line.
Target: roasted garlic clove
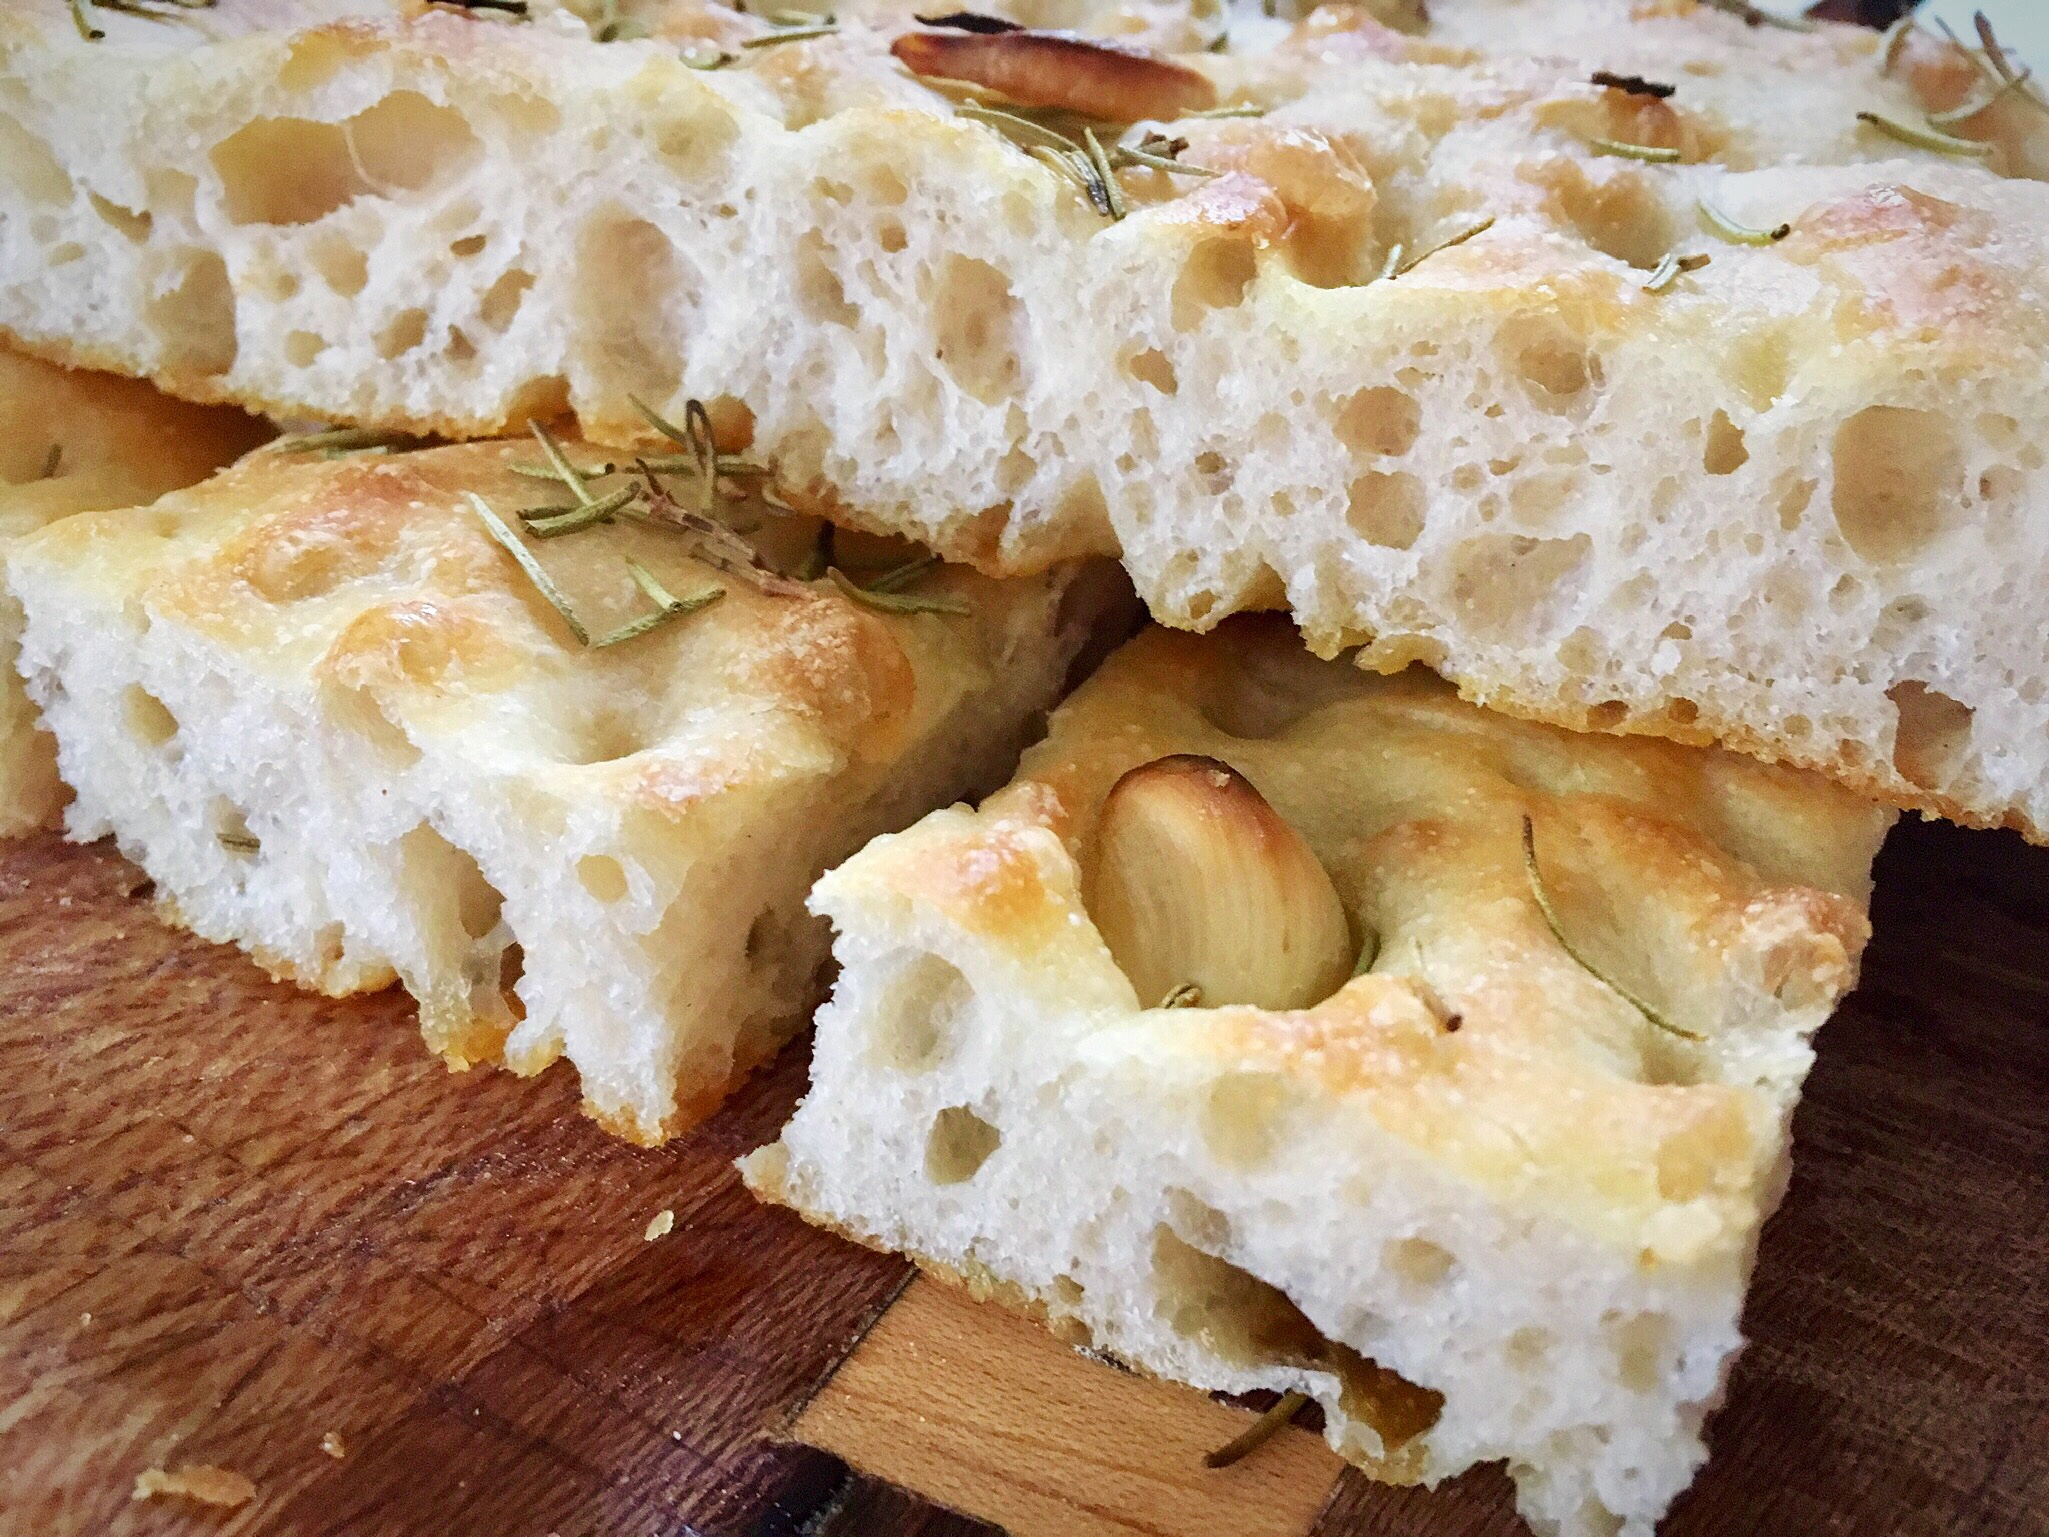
[(1111, 81), (1198, 882)]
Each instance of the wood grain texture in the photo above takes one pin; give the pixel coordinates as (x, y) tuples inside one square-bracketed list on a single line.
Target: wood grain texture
[(987, 1413), (234, 1217)]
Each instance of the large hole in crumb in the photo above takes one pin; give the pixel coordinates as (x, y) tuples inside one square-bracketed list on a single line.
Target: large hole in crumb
[(148, 718), (602, 876), (914, 1018), (503, 298), (402, 333), (194, 316), (1933, 737), (1152, 367), (1381, 420), (819, 289), (285, 170), (1217, 273), (1726, 452), (976, 316), (407, 142), (1898, 481), (1386, 510), (1417, 1263), (632, 287), (1645, 1349), (1250, 1323), (27, 165), (959, 1145)]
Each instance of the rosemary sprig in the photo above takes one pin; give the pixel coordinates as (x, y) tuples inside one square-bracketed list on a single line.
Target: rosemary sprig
[(1634, 85), (1187, 996), (790, 35), (1925, 138), (53, 461), (1558, 933), (896, 602), (1668, 271), (667, 606), (1721, 224), (717, 545), (1259, 1432), (544, 584), (1398, 262), (1624, 150)]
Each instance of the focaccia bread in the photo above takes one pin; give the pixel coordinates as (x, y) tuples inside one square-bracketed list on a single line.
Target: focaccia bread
[(340, 725), (1496, 1197), (1789, 501), (72, 441)]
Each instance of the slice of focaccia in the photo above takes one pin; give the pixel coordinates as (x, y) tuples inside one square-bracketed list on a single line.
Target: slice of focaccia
[(325, 706), (1790, 500), (1098, 1049), (70, 441)]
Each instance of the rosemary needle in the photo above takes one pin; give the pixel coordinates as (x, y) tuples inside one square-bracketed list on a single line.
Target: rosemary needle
[(1651, 153), (1189, 996), (1925, 138), (52, 462), (1397, 265), (239, 843), (788, 35), (1113, 203), (667, 606), (553, 523), (1543, 900), (1259, 1432), (86, 29), (896, 602), (1369, 952), (1668, 271), (1721, 224), (514, 546)]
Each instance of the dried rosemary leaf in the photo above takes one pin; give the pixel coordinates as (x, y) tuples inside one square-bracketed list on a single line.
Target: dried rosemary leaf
[(239, 843), (1970, 109), (1259, 1432), (1995, 54), (1894, 44), (1187, 996), (897, 602), (818, 559), (1369, 952), (558, 461), (52, 462), (1650, 153), (1243, 110), (900, 577), (514, 546), (1157, 153), (1757, 16), (717, 59), (790, 35), (1112, 205), (1925, 138), (667, 606), (1668, 271), (79, 19), (342, 440), (1543, 901), (509, 7), (1022, 131), (969, 21), (547, 472), (1721, 224), (554, 522), (1634, 85), (1396, 264)]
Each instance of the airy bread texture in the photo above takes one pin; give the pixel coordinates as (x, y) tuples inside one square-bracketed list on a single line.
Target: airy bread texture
[(1791, 502), (69, 442), (1477, 1204), (339, 726)]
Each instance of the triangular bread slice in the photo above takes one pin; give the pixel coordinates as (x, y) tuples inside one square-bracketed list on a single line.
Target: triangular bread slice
[(1791, 500), (339, 724), (1494, 1199), (70, 441)]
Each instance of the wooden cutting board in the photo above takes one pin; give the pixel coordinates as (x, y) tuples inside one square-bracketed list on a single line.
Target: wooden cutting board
[(236, 1220)]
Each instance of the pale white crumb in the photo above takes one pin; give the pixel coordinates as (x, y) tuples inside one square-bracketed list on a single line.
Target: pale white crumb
[(660, 1224)]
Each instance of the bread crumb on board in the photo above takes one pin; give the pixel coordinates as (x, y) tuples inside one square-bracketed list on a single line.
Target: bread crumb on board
[(334, 1446), (209, 1485), (659, 1225)]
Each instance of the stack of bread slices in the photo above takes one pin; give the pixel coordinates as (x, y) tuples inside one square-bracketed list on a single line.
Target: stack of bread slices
[(1583, 461)]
